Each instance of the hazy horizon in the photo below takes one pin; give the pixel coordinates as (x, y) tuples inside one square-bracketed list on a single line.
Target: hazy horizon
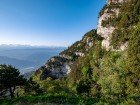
[(29, 45), (27, 58), (47, 22)]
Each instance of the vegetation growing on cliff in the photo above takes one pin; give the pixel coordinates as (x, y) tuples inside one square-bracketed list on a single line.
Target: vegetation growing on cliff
[(100, 77)]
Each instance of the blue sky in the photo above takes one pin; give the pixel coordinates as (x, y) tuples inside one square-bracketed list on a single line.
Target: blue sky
[(47, 22)]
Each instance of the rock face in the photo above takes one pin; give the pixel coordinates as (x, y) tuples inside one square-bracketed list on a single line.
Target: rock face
[(115, 1), (106, 31), (60, 66), (56, 67)]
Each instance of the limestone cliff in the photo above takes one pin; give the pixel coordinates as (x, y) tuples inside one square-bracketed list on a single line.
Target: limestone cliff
[(108, 12), (60, 66)]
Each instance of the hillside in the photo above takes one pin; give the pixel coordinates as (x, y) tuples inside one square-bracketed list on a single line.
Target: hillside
[(103, 68), (106, 62), (60, 66)]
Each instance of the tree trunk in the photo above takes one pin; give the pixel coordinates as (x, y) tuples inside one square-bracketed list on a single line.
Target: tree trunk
[(11, 92)]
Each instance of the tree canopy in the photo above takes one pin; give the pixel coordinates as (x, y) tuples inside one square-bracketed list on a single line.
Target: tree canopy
[(10, 79)]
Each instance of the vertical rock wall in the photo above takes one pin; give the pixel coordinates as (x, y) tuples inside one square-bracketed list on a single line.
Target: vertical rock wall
[(106, 31)]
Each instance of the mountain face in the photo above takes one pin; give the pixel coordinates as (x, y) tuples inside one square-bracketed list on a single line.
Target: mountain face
[(111, 10), (105, 64), (60, 66), (112, 33)]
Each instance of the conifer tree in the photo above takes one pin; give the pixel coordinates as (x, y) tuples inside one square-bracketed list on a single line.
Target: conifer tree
[(10, 79)]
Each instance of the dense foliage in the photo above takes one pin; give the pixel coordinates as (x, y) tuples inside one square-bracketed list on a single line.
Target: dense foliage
[(10, 80)]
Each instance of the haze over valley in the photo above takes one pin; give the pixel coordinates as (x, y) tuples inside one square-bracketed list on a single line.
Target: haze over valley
[(27, 58)]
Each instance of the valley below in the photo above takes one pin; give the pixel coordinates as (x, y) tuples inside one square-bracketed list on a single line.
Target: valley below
[(27, 58)]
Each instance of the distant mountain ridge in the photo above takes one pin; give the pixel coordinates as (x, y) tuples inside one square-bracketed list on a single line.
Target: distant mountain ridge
[(20, 46), (20, 64), (23, 57)]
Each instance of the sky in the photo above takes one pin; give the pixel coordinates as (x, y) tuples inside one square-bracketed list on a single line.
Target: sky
[(47, 22)]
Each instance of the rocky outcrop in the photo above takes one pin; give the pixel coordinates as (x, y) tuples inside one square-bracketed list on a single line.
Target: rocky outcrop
[(60, 66), (107, 30), (115, 1), (56, 67), (79, 54)]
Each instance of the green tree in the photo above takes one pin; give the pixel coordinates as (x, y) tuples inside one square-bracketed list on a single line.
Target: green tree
[(133, 63), (32, 87), (84, 84), (112, 75), (84, 87), (10, 79)]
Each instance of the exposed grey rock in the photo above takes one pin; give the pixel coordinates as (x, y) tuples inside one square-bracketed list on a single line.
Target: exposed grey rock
[(106, 31), (60, 66), (56, 67), (80, 54), (115, 1)]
